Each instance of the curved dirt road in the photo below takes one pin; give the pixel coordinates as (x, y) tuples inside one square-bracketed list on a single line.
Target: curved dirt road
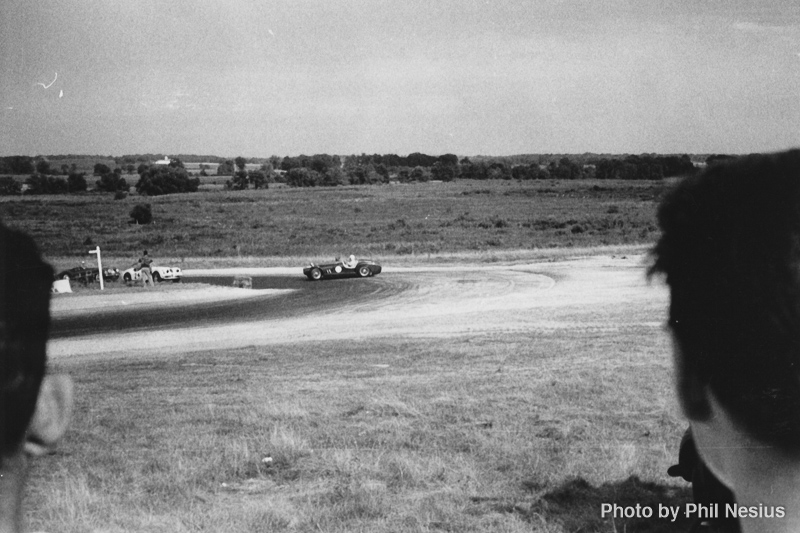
[(587, 294)]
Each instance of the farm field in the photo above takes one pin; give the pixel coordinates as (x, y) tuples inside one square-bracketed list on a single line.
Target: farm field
[(420, 220)]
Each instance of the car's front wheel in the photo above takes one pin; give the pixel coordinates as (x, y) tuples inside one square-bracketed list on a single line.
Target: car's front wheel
[(156, 277), (364, 271), (65, 276), (316, 274), (126, 277)]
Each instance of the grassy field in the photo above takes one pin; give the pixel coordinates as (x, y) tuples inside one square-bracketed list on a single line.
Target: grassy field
[(528, 432), (491, 432), (379, 221)]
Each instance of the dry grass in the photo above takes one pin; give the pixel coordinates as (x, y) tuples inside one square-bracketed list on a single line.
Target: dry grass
[(380, 221), (524, 432)]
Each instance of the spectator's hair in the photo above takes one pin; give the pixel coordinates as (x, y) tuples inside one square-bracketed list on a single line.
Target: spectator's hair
[(730, 249), (145, 252), (25, 284)]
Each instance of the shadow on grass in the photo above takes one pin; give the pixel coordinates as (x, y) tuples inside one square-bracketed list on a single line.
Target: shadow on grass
[(576, 506)]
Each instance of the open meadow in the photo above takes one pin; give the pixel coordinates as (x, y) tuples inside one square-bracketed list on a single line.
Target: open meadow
[(514, 386), (418, 219)]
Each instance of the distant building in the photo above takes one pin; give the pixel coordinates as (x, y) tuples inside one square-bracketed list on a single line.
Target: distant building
[(165, 161)]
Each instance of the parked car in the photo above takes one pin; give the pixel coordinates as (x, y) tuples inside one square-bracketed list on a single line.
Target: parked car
[(88, 274), (160, 273), (363, 268)]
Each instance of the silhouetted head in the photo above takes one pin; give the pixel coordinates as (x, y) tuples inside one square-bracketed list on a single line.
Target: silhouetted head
[(730, 250), (25, 282)]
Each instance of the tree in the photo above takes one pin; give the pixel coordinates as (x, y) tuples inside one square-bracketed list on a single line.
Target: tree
[(258, 179), (383, 172), (165, 179), (9, 186), (718, 158), (333, 176), (419, 174), (76, 182), (302, 177), (142, 168), (43, 167), (100, 169), (225, 168), (442, 171), (239, 182), (41, 184), (448, 159), (18, 164), (241, 162), (111, 182), (420, 160)]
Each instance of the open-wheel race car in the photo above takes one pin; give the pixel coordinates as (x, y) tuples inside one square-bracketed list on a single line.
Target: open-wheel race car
[(88, 274), (362, 268)]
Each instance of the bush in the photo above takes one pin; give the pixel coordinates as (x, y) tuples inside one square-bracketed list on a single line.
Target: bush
[(120, 195), (112, 182), (158, 180), (9, 186), (141, 214)]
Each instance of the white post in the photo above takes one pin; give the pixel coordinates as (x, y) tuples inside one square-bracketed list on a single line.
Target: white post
[(99, 265)]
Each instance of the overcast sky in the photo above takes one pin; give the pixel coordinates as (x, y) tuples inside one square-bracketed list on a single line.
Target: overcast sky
[(257, 78)]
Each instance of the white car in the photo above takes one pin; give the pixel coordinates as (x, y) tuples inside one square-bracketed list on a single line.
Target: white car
[(160, 273)]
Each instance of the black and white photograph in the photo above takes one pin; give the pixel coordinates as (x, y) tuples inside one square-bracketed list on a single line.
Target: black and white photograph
[(400, 266)]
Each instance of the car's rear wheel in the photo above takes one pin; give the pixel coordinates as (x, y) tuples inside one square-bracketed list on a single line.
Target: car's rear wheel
[(65, 276), (126, 277), (157, 277), (316, 274), (364, 271)]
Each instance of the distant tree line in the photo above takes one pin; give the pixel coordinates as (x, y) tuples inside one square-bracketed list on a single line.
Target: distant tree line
[(321, 170), (326, 170), (153, 181)]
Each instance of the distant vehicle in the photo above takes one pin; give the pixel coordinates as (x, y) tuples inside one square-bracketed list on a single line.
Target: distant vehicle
[(88, 275), (338, 269), (160, 273)]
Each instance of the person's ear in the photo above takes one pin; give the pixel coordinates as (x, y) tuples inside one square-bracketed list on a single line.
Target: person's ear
[(53, 411), (692, 392)]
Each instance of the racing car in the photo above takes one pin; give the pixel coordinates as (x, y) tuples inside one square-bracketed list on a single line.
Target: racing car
[(338, 269), (160, 273), (88, 275)]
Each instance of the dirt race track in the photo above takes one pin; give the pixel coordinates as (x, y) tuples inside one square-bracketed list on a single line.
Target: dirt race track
[(592, 295)]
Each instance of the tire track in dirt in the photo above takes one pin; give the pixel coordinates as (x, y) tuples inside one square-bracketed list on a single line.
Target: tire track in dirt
[(336, 308), (577, 297)]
